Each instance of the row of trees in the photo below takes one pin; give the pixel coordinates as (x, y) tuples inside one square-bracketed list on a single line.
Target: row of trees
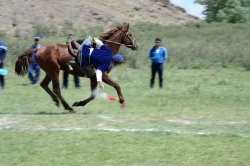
[(231, 11)]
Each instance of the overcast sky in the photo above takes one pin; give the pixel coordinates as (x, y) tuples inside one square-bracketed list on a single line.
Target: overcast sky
[(191, 7)]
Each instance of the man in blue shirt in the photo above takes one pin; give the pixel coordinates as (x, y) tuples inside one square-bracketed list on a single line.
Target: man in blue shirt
[(157, 54), (34, 67), (3, 52)]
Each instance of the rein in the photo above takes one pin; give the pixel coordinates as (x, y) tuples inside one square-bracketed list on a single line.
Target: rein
[(127, 36), (110, 41)]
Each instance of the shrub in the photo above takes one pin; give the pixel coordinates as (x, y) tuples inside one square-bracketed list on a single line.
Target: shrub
[(44, 30)]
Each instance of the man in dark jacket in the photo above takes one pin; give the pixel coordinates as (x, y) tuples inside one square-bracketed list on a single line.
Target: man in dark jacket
[(3, 52)]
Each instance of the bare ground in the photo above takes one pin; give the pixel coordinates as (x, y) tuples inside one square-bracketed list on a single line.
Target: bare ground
[(23, 14)]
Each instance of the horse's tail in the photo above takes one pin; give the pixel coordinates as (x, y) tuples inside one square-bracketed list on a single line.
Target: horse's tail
[(23, 61)]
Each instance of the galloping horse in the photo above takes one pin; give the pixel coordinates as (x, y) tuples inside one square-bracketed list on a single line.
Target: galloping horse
[(55, 57)]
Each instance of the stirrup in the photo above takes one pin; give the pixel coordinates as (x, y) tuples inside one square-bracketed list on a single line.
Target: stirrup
[(70, 63), (70, 67)]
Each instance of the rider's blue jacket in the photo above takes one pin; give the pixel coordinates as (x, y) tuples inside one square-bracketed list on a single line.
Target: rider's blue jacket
[(100, 58)]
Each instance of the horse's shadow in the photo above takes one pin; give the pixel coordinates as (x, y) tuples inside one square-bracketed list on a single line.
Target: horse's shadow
[(25, 84), (43, 113)]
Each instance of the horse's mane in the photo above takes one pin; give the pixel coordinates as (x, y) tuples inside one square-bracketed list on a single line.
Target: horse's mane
[(104, 36), (108, 34)]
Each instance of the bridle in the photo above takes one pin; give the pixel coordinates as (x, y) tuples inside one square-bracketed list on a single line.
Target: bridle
[(126, 36)]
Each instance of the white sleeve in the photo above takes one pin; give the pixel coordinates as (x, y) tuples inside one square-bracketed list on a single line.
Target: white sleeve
[(98, 42), (98, 75)]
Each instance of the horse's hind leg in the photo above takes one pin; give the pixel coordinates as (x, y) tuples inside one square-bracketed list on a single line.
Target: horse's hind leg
[(93, 85), (56, 90), (44, 84)]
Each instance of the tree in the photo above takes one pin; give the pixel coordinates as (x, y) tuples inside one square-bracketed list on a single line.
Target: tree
[(231, 11)]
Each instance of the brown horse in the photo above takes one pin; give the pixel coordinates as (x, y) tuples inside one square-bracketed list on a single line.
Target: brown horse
[(55, 57)]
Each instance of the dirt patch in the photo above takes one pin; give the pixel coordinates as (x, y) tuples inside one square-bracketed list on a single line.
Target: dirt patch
[(7, 122), (87, 13)]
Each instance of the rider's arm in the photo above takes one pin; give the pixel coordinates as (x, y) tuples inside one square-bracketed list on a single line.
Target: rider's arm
[(99, 71), (98, 75), (99, 78)]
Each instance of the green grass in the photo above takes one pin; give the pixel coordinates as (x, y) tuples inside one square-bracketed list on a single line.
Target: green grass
[(194, 46), (103, 148), (200, 117)]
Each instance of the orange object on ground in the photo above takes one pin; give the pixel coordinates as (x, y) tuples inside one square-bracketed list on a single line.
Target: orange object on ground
[(112, 98)]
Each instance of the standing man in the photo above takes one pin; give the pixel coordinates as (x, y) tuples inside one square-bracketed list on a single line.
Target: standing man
[(3, 52), (157, 54), (66, 75), (34, 67)]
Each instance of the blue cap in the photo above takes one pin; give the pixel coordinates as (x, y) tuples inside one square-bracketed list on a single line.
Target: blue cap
[(118, 58), (3, 46), (37, 38)]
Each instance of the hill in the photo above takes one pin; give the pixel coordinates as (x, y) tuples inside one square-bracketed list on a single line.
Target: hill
[(23, 15)]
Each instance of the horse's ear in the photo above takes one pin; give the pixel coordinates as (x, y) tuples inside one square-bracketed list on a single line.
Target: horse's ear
[(125, 27)]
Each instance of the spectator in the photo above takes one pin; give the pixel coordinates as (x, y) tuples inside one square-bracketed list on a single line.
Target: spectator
[(157, 54), (66, 75), (65, 80), (3, 52), (34, 67)]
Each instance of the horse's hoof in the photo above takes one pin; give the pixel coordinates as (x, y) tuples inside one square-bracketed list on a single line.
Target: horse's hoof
[(80, 103), (57, 104), (75, 104), (72, 111), (123, 105)]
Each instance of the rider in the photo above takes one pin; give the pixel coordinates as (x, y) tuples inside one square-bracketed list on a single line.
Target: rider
[(93, 54), (100, 57)]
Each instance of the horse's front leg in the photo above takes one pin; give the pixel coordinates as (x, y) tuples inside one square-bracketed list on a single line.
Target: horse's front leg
[(111, 82), (93, 85)]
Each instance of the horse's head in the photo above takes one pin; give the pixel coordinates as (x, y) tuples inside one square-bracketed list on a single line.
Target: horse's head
[(128, 39), (120, 36)]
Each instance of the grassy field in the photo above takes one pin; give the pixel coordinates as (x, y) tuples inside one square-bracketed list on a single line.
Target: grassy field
[(193, 46), (200, 117)]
